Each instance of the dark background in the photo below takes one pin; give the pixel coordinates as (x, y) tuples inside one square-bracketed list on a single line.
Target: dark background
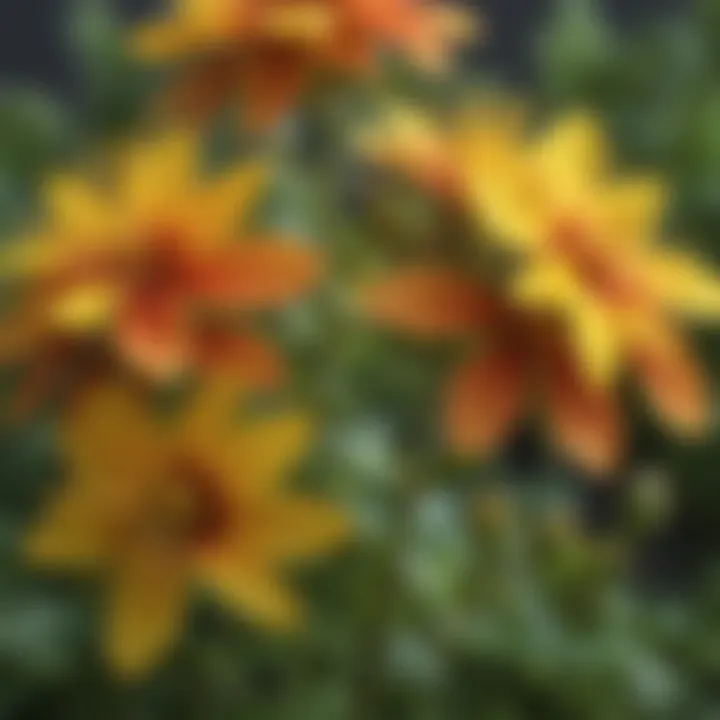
[(33, 35)]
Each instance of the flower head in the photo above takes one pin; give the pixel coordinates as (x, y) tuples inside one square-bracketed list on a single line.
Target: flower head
[(587, 244), (584, 246), (161, 508), (147, 261), (269, 51)]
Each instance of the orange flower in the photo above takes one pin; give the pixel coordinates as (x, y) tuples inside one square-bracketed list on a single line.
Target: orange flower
[(161, 508), (269, 51), (523, 364), (144, 264)]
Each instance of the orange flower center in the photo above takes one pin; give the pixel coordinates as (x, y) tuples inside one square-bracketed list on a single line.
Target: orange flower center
[(166, 262)]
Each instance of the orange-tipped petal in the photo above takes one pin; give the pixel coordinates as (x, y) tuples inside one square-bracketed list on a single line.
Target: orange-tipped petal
[(585, 421), (258, 275), (429, 302), (484, 401), (251, 359), (675, 385)]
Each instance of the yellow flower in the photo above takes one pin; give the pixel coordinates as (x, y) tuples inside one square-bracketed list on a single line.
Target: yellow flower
[(585, 239), (588, 242), (146, 257), (160, 508)]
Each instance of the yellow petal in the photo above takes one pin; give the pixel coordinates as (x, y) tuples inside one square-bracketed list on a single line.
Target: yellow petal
[(596, 341), (404, 139), (111, 439), (298, 528), (687, 284), (209, 16), (592, 333), (264, 452), (161, 41), (159, 175), (634, 209), (546, 285), (253, 591), (146, 609), (69, 534), (572, 155), (88, 307), (77, 209), (304, 21), (194, 25), (209, 420), (504, 193)]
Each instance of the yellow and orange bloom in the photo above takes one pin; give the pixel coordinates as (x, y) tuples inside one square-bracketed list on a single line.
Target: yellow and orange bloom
[(147, 263), (584, 245), (269, 51), (519, 365), (587, 242), (158, 509)]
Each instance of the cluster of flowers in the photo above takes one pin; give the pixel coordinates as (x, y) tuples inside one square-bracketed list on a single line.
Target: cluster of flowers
[(144, 272)]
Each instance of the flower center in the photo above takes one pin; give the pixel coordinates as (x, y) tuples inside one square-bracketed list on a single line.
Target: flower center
[(190, 512), (165, 262)]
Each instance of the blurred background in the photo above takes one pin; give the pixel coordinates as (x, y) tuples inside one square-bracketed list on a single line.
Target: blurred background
[(559, 598), (34, 51)]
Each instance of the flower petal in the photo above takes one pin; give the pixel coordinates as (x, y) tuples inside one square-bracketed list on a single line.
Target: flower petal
[(485, 399), (635, 209), (674, 384), (251, 359), (86, 307), (154, 334), (298, 529), (264, 452), (161, 41), (585, 420), (573, 153), (252, 591), (158, 174), (259, 275), (69, 534), (111, 441), (688, 284), (77, 209), (551, 286), (147, 605), (429, 302)]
